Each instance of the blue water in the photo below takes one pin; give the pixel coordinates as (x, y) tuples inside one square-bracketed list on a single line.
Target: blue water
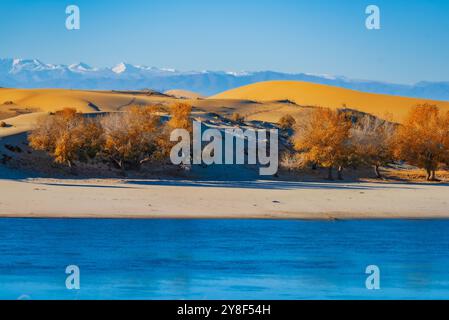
[(223, 259)]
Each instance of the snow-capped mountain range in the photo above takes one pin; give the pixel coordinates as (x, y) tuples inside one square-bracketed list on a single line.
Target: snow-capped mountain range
[(32, 73)]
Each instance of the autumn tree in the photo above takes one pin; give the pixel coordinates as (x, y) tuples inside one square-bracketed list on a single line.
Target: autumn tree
[(130, 137), (287, 122), (422, 140), (445, 133), (323, 139), (67, 136), (371, 138), (180, 118)]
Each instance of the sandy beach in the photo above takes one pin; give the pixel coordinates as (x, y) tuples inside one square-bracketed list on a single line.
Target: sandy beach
[(41, 197)]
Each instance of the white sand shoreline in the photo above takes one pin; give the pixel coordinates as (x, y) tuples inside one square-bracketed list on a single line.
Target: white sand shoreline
[(184, 199)]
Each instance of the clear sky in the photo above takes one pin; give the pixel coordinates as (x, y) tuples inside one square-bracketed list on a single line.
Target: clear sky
[(319, 36)]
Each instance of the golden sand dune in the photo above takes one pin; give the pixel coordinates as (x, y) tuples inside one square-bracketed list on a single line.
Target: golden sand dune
[(22, 123), (17, 101), (184, 94), (310, 94), (265, 101)]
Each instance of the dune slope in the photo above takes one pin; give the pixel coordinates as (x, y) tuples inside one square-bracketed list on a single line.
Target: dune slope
[(49, 100), (310, 94), (184, 94)]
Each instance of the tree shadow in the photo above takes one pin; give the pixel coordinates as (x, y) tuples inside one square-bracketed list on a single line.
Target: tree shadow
[(263, 184), (84, 185)]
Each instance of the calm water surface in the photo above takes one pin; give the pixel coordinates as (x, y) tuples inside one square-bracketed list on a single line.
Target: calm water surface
[(223, 259)]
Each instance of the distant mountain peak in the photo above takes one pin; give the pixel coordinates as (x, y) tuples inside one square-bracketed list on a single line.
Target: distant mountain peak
[(120, 68), (238, 73), (81, 67), (33, 73)]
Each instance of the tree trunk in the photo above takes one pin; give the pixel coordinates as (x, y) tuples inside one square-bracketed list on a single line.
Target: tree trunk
[(377, 172), (429, 174), (340, 173), (433, 176), (121, 165), (72, 167), (329, 173)]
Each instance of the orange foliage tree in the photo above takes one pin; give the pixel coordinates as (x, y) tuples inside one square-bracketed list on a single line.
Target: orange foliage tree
[(67, 136), (323, 139), (423, 139), (180, 116), (130, 137)]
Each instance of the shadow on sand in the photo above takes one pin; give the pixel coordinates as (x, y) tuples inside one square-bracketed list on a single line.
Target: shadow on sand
[(266, 184), (241, 180)]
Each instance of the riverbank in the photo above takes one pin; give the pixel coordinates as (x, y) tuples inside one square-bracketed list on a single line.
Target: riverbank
[(147, 198)]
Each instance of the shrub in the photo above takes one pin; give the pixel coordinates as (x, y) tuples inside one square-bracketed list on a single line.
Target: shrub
[(236, 117)]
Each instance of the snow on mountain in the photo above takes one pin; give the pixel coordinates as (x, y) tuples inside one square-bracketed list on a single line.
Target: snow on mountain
[(33, 73), (19, 65), (121, 67), (81, 67)]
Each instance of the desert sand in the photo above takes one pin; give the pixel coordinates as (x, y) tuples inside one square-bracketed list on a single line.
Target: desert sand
[(310, 94), (264, 101), (130, 198), (184, 94)]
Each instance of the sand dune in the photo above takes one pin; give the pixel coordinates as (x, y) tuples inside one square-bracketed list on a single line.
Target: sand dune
[(309, 94), (20, 124), (15, 102), (265, 101), (269, 111), (48, 100), (184, 94)]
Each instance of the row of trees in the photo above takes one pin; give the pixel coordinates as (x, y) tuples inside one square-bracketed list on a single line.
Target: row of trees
[(334, 139), (325, 138), (126, 139)]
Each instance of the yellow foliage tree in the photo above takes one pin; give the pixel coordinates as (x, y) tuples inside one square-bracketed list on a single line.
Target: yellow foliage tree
[(323, 139), (130, 137), (423, 139), (180, 116), (67, 136)]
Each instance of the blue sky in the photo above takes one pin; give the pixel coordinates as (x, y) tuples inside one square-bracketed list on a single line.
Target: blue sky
[(320, 36)]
